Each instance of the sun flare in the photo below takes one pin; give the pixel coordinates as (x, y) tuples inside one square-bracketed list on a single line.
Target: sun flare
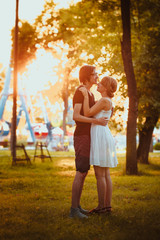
[(39, 73)]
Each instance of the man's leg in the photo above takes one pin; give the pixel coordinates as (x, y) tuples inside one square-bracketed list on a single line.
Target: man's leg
[(76, 211), (77, 188), (82, 150)]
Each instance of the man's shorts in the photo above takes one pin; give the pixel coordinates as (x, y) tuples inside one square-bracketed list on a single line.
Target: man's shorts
[(82, 152)]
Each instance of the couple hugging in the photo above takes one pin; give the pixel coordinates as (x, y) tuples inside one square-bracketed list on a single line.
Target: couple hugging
[(93, 141)]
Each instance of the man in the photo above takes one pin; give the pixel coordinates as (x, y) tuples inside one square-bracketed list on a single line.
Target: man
[(87, 77)]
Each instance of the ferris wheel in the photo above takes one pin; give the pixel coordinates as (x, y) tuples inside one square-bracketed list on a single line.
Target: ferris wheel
[(3, 99)]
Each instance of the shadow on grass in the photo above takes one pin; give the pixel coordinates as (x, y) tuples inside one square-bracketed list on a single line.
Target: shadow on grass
[(149, 170), (155, 167)]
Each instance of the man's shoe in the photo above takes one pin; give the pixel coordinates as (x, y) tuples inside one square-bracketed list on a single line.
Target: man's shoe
[(75, 213), (83, 210)]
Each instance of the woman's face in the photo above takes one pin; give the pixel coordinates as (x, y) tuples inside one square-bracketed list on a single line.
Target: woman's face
[(100, 87)]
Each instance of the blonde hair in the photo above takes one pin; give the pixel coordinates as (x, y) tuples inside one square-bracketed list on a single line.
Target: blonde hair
[(110, 84)]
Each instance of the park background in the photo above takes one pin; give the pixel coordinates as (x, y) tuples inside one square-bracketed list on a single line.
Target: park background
[(49, 79), (50, 56)]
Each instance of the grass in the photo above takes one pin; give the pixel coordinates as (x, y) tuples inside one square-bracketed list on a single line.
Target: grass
[(35, 201)]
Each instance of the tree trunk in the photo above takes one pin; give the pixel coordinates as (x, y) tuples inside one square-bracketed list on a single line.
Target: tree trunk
[(131, 158), (145, 139)]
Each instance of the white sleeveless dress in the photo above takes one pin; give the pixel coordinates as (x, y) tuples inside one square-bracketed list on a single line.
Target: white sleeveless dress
[(102, 151)]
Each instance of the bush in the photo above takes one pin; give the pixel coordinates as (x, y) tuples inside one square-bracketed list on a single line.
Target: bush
[(157, 146)]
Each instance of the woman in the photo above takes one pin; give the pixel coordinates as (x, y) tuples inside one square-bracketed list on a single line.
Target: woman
[(102, 152)]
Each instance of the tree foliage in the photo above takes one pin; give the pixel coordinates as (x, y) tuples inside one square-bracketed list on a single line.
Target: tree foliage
[(27, 40), (89, 28)]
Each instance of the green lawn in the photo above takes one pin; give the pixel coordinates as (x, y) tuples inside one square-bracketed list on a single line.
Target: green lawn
[(35, 201)]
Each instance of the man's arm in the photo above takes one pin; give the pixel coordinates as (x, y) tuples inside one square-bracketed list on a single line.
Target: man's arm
[(78, 117)]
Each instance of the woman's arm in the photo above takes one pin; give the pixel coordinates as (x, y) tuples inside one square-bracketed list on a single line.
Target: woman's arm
[(96, 108), (78, 117)]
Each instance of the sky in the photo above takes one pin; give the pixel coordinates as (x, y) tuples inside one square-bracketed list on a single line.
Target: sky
[(28, 10)]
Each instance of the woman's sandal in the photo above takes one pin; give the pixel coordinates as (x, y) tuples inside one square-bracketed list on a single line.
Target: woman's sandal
[(95, 210), (108, 209)]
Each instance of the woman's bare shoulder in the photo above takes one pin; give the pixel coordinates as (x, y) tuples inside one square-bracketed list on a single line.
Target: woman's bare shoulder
[(107, 102)]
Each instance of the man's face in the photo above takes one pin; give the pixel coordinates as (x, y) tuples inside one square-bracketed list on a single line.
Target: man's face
[(94, 77)]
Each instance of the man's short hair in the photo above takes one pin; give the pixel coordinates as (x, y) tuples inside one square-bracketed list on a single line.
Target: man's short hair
[(85, 73)]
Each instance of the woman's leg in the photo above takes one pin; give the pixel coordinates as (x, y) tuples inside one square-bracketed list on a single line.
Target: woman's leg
[(108, 188), (101, 185)]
